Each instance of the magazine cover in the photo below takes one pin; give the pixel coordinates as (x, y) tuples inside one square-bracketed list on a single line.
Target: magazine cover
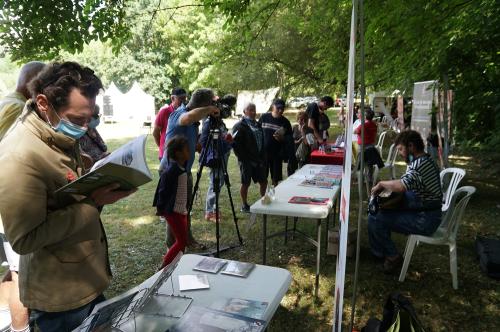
[(308, 200), (239, 269), (210, 264), (199, 319), (243, 307), (319, 183)]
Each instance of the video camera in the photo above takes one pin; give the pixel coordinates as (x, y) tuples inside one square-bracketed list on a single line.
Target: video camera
[(225, 106)]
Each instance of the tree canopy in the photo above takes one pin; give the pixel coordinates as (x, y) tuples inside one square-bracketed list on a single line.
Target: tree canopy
[(300, 46)]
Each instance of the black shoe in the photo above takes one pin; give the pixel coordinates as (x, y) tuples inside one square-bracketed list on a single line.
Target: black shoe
[(245, 208), (392, 265)]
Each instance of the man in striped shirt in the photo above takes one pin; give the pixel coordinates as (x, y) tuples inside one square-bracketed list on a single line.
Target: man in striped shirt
[(420, 211)]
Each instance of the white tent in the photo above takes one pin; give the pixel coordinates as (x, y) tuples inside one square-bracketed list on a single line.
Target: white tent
[(134, 106), (140, 105), (112, 104), (261, 98)]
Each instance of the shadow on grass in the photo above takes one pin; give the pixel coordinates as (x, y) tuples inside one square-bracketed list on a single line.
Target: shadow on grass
[(137, 244)]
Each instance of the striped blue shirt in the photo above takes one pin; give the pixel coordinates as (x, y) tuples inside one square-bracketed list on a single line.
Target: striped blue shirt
[(422, 177)]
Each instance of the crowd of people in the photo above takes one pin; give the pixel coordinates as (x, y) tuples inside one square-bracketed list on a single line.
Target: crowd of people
[(57, 247)]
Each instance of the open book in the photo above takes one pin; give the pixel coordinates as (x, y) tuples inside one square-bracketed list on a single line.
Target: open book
[(126, 166)]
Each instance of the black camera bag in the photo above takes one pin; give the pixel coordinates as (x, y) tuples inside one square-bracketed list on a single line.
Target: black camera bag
[(488, 252)]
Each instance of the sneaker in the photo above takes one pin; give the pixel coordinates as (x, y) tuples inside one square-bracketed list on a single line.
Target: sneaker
[(392, 265), (245, 208), (211, 216)]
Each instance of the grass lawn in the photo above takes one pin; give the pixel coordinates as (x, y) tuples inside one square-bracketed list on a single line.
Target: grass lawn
[(137, 244)]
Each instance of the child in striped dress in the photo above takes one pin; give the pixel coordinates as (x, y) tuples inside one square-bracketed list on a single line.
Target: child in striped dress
[(171, 195)]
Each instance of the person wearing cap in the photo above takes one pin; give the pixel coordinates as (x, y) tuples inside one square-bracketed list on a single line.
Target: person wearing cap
[(277, 132), (177, 98), (184, 121)]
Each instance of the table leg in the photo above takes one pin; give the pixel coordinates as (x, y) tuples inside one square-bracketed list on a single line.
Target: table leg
[(294, 226), (326, 232), (335, 211), (264, 238), (286, 230), (318, 257)]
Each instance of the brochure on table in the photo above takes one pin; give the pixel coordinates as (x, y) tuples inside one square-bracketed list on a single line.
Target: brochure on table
[(321, 176)]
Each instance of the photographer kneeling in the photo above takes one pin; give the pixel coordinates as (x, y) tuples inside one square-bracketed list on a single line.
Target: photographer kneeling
[(419, 211)]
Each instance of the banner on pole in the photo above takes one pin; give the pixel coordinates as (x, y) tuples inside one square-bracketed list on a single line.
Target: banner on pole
[(423, 95), (346, 182), (401, 113)]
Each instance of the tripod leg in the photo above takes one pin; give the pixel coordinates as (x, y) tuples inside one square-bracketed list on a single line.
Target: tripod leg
[(228, 186), (217, 226), (202, 159)]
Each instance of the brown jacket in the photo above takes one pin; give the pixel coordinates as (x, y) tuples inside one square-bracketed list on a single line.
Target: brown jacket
[(64, 260)]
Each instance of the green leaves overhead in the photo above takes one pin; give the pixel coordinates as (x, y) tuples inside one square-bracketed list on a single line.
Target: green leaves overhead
[(40, 29), (299, 45)]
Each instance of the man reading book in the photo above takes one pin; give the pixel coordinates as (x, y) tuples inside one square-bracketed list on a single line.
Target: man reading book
[(64, 267)]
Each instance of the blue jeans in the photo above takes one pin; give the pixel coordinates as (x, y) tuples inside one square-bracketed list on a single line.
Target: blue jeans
[(64, 320), (210, 200), (405, 221)]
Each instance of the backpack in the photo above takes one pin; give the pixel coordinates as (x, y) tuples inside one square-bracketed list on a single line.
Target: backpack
[(488, 252), (399, 316)]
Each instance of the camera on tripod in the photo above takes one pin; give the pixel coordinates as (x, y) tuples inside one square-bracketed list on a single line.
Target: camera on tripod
[(225, 106)]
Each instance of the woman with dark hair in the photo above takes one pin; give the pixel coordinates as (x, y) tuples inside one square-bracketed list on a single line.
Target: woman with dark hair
[(64, 266), (371, 155), (420, 209), (92, 143)]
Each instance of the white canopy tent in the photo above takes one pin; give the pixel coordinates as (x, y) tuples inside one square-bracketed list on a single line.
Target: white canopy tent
[(261, 98), (140, 105), (134, 106)]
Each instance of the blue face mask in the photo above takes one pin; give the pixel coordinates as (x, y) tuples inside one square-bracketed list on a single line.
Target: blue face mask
[(410, 158), (68, 128), (94, 122)]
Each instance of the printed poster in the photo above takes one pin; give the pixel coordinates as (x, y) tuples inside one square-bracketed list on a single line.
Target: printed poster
[(346, 185)]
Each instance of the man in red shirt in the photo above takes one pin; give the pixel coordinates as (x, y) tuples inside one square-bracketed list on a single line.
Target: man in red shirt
[(177, 97)]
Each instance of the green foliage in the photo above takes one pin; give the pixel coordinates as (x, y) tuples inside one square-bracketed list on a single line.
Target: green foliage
[(300, 46), (40, 29), (421, 40), (8, 76)]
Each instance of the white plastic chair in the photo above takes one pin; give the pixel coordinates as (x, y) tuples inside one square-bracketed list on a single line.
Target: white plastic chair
[(380, 142), (450, 178), (446, 234), (389, 163)]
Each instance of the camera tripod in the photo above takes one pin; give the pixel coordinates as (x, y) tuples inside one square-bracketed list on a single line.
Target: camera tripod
[(219, 164)]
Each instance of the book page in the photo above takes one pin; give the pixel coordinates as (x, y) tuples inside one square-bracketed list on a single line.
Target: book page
[(132, 154), (191, 282)]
